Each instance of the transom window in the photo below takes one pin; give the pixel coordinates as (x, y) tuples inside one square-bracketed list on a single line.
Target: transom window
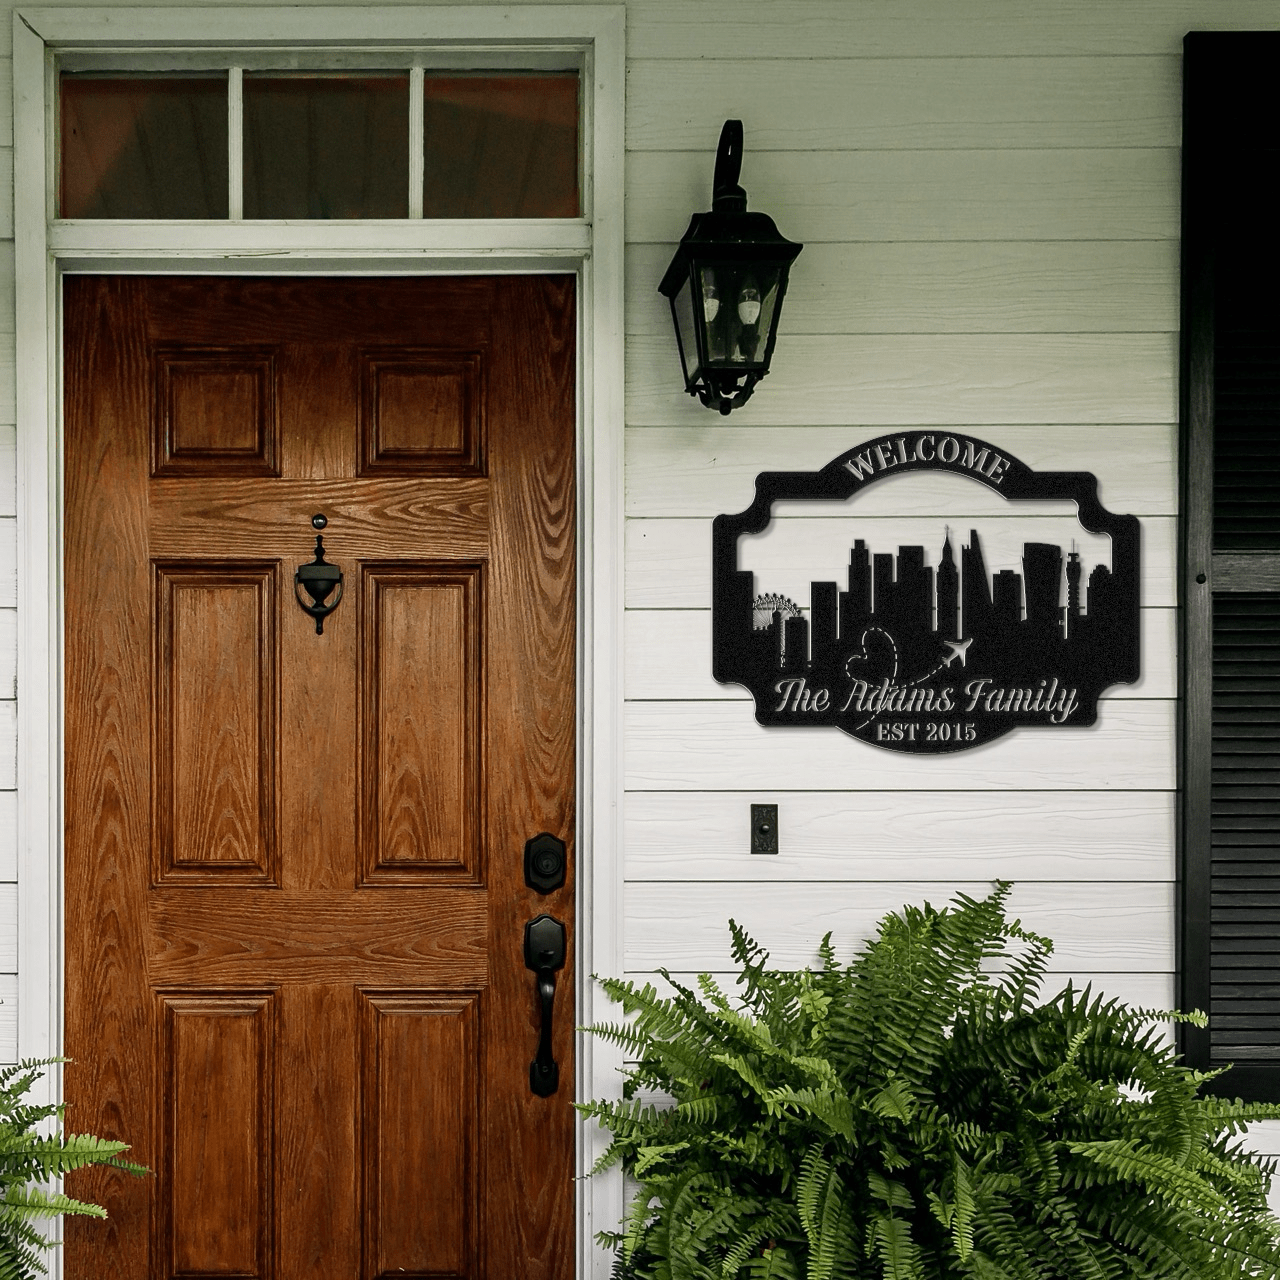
[(378, 142)]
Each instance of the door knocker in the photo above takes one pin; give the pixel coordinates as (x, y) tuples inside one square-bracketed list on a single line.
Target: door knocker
[(319, 578)]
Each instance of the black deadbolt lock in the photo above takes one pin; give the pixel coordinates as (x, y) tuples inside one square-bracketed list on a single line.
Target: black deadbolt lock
[(544, 863)]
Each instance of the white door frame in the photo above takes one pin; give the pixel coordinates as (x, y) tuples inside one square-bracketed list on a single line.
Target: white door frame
[(590, 246)]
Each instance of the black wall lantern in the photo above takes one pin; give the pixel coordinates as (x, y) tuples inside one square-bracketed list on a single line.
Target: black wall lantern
[(726, 285)]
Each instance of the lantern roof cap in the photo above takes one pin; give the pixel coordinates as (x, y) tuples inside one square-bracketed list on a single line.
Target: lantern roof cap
[(727, 237), (728, 233)]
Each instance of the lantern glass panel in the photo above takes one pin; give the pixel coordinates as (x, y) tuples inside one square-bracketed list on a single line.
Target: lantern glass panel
[(739, 302), (686, 331)]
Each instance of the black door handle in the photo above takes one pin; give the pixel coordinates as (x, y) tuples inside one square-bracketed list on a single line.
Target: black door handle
[(544, 954)]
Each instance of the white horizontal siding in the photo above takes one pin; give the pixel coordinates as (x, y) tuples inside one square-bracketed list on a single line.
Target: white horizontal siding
[(8, 1017), (8, 928), (692, 746), (8, 470), (8, 752), (672, 471), (881, 835), (1110, 193), (866, 29), (8, 562), (917, 379), (1078, 286), (1094, 926), (905, 104), (8, 653)]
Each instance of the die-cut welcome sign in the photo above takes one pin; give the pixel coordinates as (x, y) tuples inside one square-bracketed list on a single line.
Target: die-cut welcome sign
[(913, 657)]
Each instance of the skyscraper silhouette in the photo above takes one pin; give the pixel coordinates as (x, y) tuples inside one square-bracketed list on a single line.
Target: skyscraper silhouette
[(914, 590), (1006, 598), (823, 612), (855, 604), (1042, 577), (1073, 593), (948, 594), (975, 602), (884, 600)]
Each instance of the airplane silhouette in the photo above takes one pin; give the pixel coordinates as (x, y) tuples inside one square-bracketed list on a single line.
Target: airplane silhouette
[(958, 650)]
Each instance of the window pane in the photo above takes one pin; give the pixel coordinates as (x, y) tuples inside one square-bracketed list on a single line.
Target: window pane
[(501, 146), (326, 146), (143, 147)]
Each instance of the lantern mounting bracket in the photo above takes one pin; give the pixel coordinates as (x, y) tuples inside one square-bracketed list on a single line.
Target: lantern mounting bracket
[(726, 284)]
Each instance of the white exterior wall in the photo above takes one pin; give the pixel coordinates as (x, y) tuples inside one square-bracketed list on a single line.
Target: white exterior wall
[(988, 196)]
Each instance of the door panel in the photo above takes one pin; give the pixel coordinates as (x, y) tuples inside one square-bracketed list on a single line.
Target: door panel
[(217, 730), (295, 896)]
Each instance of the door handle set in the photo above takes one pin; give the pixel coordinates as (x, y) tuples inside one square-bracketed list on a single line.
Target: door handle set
[(544, 947)]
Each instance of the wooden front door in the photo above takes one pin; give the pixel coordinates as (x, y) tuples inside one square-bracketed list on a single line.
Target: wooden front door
[(295, 891)]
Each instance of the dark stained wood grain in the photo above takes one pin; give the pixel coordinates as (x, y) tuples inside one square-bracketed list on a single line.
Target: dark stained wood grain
[(435, 938), (399, 519), (421, 712), (422, 412), (215, 412), (216, 1216), (111, 1081), (217, 733), (349, 1002), (421, 1098), (529, 674)]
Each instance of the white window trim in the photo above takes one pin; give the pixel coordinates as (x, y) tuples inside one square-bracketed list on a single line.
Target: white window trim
[(591, 247)]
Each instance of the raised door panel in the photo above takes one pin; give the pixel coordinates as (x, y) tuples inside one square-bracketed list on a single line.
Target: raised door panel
[(215, 412), (217, 722), (422, 412), (421, 710), (215, 1212), (419, 1093)]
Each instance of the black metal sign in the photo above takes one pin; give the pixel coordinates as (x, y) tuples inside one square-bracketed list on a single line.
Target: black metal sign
[(914, 658)]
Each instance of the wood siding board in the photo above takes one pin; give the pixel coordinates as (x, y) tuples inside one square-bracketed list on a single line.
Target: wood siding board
[(8, 653), (669, 561), (1094, 926), (672, 471), (913, 379), (8, 839), (794, 29), (668, 657), (906, 103), (8, 928), (8, 469), (676, 837), (8, 563), (6, 189), (694, 746), (1085, 194), (8, 1017), (8, 745), (1065, 286)]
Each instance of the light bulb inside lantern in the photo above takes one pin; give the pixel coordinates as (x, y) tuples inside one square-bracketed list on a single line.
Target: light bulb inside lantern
[(749, 304), (710, 300)]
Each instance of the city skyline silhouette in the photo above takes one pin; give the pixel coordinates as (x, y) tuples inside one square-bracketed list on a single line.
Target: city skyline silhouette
[(1016, 618)]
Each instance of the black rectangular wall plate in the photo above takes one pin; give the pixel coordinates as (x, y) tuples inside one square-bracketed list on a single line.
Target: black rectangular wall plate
[(764, 828)]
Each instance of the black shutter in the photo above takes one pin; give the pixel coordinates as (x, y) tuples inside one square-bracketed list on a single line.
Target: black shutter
[(1229, 578)]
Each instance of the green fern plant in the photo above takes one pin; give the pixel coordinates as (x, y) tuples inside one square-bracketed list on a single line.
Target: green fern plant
[(28, 1159), (921, 1114)]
